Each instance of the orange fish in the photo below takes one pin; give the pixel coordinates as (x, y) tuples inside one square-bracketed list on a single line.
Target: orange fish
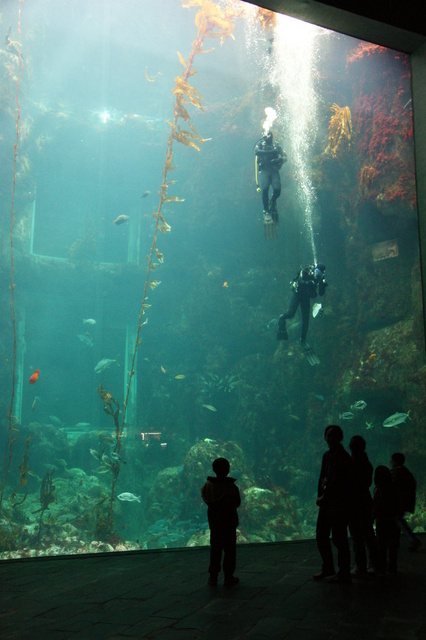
[(225, 285), (34, 377), (371, 358)]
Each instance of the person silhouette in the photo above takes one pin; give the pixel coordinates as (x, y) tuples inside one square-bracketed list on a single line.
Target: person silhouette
[(406, 486), (361, 516), (386, 509), (334, 502), (223, 498)]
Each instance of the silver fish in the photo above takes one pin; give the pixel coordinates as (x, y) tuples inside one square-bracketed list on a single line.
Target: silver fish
[(82, 425), (129, 497), (86, 338), (105, 363), (120, 220), (359, 405), (347, 415), (117, 458), (90, 321), (396, 419)]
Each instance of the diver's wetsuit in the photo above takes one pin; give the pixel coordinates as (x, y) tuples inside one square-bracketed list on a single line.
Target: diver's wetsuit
[(304, 287), (270, 159)]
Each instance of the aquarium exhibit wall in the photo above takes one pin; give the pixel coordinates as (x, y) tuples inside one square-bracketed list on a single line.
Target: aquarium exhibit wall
[(142, 282)]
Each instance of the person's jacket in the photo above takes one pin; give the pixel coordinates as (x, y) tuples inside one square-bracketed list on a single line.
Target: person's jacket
[(386, 503), (362, 473), (406, 486), (335, 484), (269, 157), (308, 281), (223, 498)]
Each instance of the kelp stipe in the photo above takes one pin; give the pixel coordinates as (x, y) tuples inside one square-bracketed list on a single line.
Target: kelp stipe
[(212, 22), (13, 433)]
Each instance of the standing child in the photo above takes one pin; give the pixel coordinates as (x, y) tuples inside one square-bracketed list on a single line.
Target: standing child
[(223, 498), (385, 511)]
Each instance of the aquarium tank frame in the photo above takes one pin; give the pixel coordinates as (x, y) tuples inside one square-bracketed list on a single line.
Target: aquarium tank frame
[(366, 27)]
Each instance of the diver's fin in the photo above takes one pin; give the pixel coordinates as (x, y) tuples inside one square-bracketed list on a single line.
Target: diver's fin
[(311, 356)]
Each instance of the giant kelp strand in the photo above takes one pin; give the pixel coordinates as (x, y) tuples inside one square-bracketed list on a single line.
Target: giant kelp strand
[(212, 22), (13, 432)]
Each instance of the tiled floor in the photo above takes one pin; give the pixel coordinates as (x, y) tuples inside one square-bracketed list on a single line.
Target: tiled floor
[(164, 596)]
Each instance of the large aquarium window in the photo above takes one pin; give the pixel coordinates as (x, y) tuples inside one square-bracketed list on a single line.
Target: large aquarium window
[(145, 267)]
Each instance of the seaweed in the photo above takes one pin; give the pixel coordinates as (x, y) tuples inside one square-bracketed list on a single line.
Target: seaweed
[(47, 496)]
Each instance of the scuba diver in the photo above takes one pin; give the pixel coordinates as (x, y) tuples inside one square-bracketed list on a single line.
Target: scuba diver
[(308, 282), (269, 160)]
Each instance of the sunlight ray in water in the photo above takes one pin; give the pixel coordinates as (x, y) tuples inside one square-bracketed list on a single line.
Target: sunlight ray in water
[(292, 73)]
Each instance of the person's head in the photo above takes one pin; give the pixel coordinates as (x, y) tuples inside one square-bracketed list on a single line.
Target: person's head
[(357, 444), (319, 269), (333, 435), (397, 460), (382, 476), (268, 139), (221, 467), (306, 272)]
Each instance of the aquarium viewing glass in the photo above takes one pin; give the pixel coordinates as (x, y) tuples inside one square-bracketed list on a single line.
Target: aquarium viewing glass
[(142, 281)]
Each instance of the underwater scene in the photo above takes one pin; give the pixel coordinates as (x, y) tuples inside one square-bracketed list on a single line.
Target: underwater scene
[(148, 251)]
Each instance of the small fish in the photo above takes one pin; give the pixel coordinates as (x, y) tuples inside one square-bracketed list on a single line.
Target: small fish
[(120, 220), (117, 458), (105, 363), (210, 407), (86, 339), (33, 406), (359, 405), (179, 377), (396, 419), (82, 425), (347, 415), (294, 417), (55, 420), (129, 497), (106, 460), (34, 377), (371, 358), (369, 425), (225, 285), (95, 454), (162, 369), (146, 194), (107, 439), (272, 323), (89, 321)]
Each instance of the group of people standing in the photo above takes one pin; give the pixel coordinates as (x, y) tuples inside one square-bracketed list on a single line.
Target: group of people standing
[(345, 502)]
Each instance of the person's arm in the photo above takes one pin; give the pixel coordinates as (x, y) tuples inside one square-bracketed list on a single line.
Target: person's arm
[(322, 285)]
